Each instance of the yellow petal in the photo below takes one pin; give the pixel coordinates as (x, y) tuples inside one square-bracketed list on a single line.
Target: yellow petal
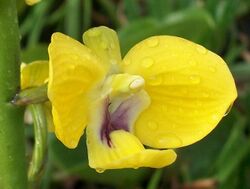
[(190, 87), (34, 74), (126, 151), (74, 72), (105, 44)]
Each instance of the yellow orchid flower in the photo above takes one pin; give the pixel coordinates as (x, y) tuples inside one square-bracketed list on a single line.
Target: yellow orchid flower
[(167, 92)]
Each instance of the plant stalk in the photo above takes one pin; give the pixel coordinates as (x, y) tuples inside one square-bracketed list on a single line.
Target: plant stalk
[(13, 166)]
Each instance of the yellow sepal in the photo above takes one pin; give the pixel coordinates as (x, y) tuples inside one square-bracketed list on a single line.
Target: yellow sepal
[(190, 88), (105, 44), (74, 73), (34, 74)]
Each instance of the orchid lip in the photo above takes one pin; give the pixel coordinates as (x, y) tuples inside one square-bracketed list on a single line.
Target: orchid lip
[(118, 120)]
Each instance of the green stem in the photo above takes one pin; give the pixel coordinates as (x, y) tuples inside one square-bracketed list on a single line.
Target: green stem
[(31, 96), (40, 148), (13, 172)]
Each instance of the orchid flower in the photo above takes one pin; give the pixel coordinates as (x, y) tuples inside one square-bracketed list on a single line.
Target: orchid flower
[(167, 92)]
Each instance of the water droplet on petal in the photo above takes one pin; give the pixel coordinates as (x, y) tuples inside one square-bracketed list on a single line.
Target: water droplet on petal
[(155, 81), (228, 109), (195, 79), (94, 33), (215, 117), (212, 69), (147, 62), (153, 42), (152, 125), (201, 49), (196, 112), (104, 45), (164, 140), (192, 63), (99, 170), (180, 110)]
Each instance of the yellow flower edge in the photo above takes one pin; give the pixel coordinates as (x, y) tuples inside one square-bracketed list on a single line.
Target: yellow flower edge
[(190, 87)]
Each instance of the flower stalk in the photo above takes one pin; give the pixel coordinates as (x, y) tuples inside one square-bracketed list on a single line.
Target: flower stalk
[(40, 147), (13, 172)]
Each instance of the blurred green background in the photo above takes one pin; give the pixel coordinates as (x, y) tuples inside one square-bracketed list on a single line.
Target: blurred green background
[(222, 159)]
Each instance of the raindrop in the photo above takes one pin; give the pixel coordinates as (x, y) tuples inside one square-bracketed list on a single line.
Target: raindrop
[(192, 63), (215, 117), (168, 140), (155, 81), (94, 33), (99, 170), (147, 62), (201, 49), (153, 42), (104, 45), (194, 79), (152, 125), (180, 110), (212, 69)]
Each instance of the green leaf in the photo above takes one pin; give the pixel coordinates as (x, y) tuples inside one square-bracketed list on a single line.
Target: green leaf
[(136, 31), (178, 24)]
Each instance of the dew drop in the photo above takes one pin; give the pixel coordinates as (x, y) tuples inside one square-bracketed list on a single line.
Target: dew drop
[(153, 42), (99, 170), (155, 81), (195, 79), (201, 49), (228, 109), (147, 62), (94, 33), (152, 125), (212, 69), (164, 140), (192, 63), (196, 112), (180, 110), (104, 45), (215, 117)]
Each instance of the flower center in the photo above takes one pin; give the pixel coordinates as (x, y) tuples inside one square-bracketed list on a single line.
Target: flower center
[(122, 115)]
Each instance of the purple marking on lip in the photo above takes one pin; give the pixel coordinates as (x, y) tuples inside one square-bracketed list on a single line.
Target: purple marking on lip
[(118, 120)]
